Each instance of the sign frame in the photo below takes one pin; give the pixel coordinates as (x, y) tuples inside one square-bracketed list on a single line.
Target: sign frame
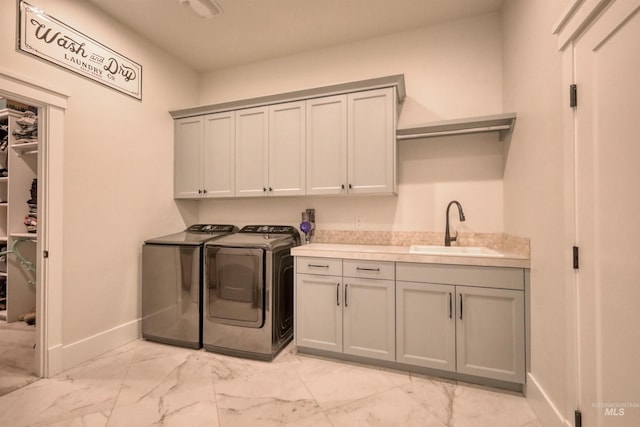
[(45, 37)]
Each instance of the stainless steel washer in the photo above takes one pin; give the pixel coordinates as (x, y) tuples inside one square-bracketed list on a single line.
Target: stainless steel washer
[(172, 284), (248, 291)]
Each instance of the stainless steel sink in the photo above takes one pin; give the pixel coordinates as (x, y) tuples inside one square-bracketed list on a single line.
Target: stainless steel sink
[(455, 251)]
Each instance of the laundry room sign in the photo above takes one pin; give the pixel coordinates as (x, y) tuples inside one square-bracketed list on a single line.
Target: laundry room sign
[(43, 36)]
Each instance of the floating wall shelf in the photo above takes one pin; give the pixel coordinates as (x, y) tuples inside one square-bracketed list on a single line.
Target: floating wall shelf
[(502, 123)]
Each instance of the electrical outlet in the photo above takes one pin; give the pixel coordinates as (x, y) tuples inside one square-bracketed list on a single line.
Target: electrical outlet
[(358, 223)]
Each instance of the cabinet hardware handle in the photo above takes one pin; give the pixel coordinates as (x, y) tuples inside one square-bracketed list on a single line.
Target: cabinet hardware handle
[(338, 294), (204, 191), (350, 186), (270, 189), (460, 306), (346, 288), (367, 269), (342, 186), (199, 191), (317, 266), (264, 189), (450, 306)]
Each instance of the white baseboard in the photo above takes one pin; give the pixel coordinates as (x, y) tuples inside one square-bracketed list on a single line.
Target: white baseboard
[(544, 408), (90, 347), (55, 358)]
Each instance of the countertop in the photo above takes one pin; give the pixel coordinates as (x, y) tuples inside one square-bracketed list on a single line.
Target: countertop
[(402, 254)]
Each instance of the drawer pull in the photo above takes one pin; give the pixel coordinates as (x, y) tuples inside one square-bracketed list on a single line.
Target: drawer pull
[(460, 306), (317, 266), (338, 294), (368, 269), (450, 306)]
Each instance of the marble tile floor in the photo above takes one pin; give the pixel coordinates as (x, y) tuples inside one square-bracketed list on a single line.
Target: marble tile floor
[(17, 355), (150, 384)]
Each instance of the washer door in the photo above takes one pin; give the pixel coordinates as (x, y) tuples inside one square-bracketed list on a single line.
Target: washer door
[(170, 293), (234, 286)]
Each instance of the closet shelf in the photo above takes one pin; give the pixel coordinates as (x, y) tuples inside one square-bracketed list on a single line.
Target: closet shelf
[(502, 123), (26, 148)]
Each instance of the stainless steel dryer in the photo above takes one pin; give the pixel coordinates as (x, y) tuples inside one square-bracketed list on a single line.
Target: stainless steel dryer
[(248, 291), (172, 284)]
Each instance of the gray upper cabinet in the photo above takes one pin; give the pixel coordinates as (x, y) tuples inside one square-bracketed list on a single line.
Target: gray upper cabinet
[(371, 119), (252, 152), (351, 143), (287, 124), (204, 156), (338, 139), (327, 145), (187, 157)]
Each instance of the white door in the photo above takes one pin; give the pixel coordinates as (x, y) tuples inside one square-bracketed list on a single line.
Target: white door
[(327, 145), (607, 61), (219, 155), (188, 157), (369, 318), (319, 303), (425, 325), (287, 149), (490, 333), (371, 141), (251, 152)]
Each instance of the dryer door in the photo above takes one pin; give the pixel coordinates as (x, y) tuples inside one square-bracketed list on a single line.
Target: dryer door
[(234, 286)]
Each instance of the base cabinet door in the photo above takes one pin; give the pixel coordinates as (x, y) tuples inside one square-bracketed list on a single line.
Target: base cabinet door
[(319, 312), (490, 333), (425, 325), (369, 318)]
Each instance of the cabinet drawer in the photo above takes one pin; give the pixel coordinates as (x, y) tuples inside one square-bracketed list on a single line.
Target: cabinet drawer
[(323, 266), (492, 277), (369, 269)]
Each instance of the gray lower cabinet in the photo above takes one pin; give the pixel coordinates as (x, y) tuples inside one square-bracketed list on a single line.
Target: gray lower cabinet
[(351, 312), (464, 325), (425, 325), (463, 319)]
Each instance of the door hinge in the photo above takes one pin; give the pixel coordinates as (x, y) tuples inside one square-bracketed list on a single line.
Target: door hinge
[(576, 257), (578, 418), (573, 96)]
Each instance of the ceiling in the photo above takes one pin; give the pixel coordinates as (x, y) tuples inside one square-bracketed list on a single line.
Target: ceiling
[(254, 30)]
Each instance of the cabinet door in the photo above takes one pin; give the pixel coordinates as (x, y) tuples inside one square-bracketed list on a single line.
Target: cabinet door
[(287, 149), (372, 141), (327, 145), (218, 155), (425, 325), (490, 333), (251, 152), (187, 173), (319, 312), (369, 318)]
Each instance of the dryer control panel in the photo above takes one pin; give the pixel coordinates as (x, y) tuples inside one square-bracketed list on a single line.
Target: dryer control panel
[(269, 229)]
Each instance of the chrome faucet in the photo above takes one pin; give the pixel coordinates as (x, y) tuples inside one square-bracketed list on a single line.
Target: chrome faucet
[(447, 237)]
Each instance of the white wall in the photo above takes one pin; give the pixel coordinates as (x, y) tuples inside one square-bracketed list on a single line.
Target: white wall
[(534, 193), (118, 160), (451, 70)]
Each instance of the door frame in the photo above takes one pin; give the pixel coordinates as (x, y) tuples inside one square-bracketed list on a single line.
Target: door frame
[(52, 104)]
